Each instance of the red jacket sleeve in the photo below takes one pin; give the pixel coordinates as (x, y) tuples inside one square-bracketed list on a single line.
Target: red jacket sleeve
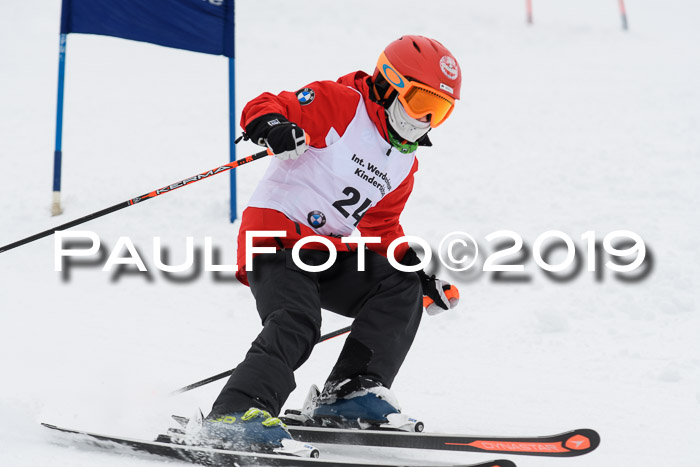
[(383, 219), (333, 106)]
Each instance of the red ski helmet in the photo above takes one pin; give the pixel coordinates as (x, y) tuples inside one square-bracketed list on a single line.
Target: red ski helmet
[(425, 75)]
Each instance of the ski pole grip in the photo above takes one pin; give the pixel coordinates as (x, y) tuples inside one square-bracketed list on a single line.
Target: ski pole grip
[(306, 137), (451, 293)]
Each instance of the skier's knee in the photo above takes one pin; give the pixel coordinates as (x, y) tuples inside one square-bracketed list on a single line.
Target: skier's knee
[(300, 330)]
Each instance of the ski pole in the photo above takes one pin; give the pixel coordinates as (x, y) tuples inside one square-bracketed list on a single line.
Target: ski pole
[(211, 379), (138, 199)]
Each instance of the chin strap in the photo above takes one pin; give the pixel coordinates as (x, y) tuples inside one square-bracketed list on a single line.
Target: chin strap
[(402, 145)]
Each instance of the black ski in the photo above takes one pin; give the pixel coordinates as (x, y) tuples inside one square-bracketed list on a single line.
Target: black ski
[(569, 444), (222, 457)]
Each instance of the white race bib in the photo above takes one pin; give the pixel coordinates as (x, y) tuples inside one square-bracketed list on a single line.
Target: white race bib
[(330, 189)]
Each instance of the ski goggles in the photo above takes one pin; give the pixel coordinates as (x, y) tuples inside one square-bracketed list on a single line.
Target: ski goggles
[(418, 99)]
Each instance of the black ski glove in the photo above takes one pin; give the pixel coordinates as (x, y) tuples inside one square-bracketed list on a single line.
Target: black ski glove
[(438, 295), (284, 138)]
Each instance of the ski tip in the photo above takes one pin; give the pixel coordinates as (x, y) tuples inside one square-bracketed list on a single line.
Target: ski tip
[(584, 440)]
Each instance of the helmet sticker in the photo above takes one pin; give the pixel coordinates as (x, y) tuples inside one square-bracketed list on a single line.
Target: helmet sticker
[(305, 96), (394, 78), (448, 65), (447, 88)]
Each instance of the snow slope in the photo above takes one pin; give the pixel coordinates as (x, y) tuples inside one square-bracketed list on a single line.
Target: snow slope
[(570, 124)]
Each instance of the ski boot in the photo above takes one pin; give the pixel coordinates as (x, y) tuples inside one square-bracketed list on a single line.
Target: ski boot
[(254, 430), (360, 402)]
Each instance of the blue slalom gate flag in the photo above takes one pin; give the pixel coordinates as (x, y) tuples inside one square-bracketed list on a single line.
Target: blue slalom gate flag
[(205, 26), (198, 25)]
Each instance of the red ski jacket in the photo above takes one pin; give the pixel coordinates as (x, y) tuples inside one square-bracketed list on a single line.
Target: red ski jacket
[(334, 107)]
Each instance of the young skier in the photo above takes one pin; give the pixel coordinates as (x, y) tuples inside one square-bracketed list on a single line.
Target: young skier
[(345, 159)]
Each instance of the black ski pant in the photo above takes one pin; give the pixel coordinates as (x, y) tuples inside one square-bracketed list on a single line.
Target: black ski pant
[(386, 305)]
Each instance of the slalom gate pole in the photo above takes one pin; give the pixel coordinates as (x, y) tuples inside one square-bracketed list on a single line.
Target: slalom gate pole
[(528, 9), (233, 212), (211, 379), (623, 14), (138, 199), (58, 154)]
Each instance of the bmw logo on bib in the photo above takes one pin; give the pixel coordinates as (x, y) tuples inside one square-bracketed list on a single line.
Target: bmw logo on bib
[(306, 96), (316, 219)]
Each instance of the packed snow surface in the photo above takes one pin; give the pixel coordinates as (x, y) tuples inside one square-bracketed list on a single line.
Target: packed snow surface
[(570, 124)]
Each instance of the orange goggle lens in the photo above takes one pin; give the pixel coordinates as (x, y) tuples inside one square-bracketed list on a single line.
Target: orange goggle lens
[(418, 99), (420, 102)]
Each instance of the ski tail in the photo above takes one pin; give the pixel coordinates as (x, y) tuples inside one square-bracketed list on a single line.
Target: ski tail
[(569, 444)]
